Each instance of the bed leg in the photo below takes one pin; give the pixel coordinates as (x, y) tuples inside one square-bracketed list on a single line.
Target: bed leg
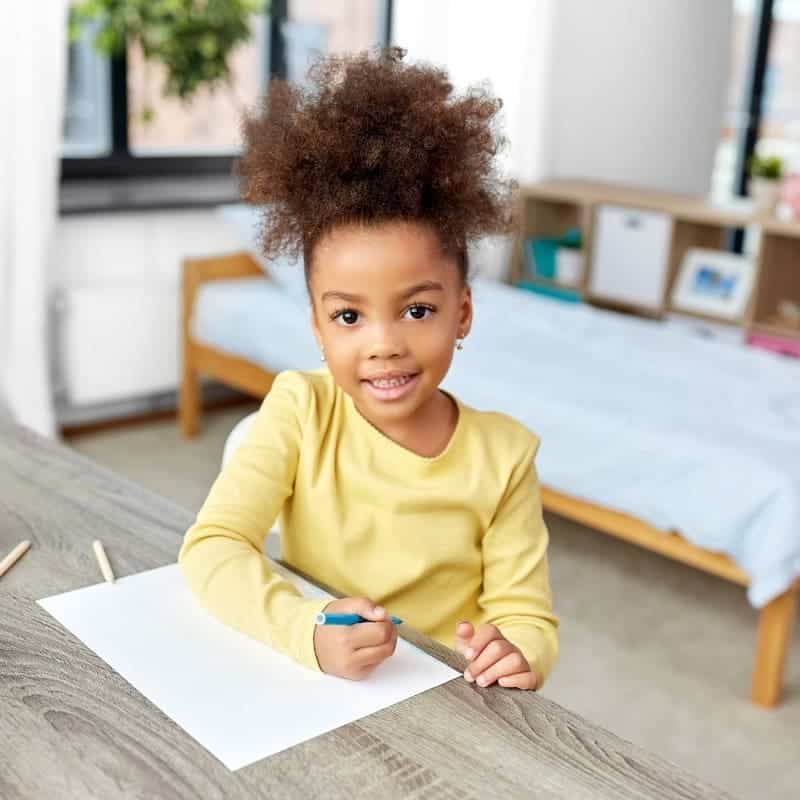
[(775, 628), (189, 403)]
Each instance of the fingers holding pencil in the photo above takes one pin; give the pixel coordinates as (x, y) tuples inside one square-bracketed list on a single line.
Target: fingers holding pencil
[(14, 556)]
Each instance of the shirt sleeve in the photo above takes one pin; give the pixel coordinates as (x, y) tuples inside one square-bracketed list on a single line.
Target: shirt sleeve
[(516, 594), (222, 555)]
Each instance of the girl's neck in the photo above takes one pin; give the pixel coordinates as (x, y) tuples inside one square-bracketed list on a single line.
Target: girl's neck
[(429, 431)]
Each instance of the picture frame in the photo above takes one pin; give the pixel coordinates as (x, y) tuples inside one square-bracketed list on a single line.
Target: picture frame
[(714, 283)]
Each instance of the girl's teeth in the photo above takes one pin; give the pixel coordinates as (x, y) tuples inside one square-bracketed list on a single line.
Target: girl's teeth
[(391, 382)]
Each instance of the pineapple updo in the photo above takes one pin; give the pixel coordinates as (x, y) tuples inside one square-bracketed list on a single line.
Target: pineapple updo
[(372, 139)]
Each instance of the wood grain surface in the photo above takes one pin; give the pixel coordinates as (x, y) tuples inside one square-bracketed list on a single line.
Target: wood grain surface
[(71, 727)]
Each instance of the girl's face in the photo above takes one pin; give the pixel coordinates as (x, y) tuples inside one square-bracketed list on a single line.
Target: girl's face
[(387, 308)]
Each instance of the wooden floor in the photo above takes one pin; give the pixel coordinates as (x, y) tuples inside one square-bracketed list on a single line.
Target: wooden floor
[(776, 620)]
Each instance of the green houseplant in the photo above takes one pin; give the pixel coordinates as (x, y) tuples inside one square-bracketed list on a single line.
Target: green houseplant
[(192, 39), (766, 173)]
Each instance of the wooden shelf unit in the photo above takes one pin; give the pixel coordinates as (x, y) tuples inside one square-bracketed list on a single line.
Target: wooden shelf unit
[(551, 216), (548, 208)]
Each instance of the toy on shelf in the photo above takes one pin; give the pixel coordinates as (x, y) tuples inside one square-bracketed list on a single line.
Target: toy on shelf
[(554, 266), (791, 193), (788, 315), (783, 345)]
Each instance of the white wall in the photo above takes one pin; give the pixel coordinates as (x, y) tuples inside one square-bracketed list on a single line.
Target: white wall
[(638, 90), (506, 45), (628, 91)]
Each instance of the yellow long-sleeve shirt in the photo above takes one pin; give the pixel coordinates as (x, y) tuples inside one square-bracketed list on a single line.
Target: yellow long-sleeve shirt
[(434, 540)]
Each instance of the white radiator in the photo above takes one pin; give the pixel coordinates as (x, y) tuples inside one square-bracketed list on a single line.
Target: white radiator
[(116, 301), (117, 342)]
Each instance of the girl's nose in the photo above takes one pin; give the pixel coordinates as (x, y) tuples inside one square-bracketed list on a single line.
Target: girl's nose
[(385, 345), (383, 351)]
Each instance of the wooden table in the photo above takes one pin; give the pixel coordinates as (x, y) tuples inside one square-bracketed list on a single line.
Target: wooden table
[(71, 727)]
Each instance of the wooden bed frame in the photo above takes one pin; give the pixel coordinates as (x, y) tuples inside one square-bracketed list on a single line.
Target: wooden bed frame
[(775, 625)]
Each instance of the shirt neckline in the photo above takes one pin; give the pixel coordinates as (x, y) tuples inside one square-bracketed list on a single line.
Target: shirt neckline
[(410, 454)]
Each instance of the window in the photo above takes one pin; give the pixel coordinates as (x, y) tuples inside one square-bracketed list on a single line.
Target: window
[(118, 124), (779, 131), (735, 115), (763, 102), (331, 27), (87, 113), (209, 123)]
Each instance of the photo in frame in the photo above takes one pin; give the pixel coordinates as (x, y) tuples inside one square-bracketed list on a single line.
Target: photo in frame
[(714, 282)]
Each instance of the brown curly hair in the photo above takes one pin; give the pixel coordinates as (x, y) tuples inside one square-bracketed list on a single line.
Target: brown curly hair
[(373, 139)]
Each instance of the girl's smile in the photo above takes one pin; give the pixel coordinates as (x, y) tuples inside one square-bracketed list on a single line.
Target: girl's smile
[(392, 385)]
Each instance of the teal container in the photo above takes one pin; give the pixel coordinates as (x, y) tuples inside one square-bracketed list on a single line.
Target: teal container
[(555, 292), (542, 258), (572, 238), (541, 253)]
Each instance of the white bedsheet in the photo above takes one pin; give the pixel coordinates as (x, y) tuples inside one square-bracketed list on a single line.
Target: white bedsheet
[(695, 435)]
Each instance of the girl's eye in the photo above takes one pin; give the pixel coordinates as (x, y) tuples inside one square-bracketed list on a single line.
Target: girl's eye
[(345, 317), (419, 311)]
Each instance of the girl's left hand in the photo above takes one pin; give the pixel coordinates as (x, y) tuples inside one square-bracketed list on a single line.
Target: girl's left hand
[(493, 658)]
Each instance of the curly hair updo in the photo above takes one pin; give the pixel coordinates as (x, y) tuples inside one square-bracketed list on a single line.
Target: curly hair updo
[(372, 139)]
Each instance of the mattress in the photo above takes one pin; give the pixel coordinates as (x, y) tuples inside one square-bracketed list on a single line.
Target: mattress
[(695, 435)]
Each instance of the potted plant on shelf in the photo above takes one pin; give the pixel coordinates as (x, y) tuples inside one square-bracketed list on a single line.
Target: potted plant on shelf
[(766, 173)]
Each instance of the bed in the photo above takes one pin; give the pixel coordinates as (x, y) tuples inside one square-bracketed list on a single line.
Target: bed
[(647, 430)]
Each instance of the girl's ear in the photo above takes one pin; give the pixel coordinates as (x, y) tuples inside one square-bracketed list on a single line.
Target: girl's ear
[(465, 313), (315, 327)]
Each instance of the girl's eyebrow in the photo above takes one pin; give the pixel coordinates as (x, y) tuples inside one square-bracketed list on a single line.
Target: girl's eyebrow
[(348, 298), (425, 286)]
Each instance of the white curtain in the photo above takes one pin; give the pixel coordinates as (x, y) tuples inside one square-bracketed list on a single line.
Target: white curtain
[(32, 72), (509, 44)]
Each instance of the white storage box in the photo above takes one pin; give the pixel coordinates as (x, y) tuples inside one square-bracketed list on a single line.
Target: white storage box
[(630, 256), (569, 266)]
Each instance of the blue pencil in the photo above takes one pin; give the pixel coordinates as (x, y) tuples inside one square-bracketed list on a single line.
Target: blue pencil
[(348, 619)]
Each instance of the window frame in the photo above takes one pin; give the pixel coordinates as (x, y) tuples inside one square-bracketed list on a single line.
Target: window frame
[(754, 103), (754, 94), (122, 163)]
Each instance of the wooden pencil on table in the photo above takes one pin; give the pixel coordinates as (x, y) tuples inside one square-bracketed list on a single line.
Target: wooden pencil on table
[(102, 560), (14, 556)]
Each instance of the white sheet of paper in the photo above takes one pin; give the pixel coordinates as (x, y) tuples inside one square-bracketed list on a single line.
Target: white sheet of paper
[(239, 698)]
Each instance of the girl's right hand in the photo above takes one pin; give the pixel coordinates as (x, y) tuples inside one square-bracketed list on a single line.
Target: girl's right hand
[(354, 651)]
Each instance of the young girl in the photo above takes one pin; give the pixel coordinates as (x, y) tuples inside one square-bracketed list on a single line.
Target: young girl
[(388, 488)]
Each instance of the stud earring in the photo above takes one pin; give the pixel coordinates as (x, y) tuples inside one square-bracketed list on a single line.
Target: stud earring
[(459, 344)]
